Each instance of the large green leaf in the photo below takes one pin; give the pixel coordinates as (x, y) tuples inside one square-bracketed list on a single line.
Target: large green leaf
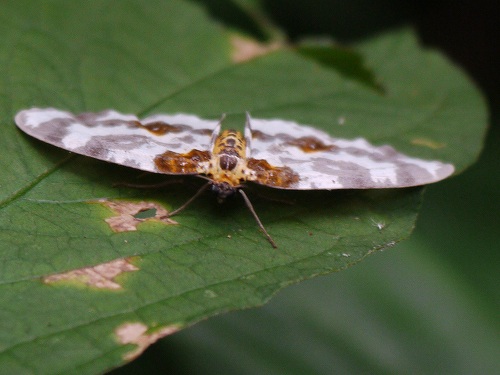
[(429, 305), (171, 56)]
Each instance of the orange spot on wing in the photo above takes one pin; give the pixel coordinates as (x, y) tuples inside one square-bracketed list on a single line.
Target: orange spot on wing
[(175, 163), (310, 144), (257, 134), (266, 174), (160, 127)]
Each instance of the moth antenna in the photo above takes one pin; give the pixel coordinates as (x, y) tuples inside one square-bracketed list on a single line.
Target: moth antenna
[(216, 131), (250, 207), (189, 201), (248, 135)]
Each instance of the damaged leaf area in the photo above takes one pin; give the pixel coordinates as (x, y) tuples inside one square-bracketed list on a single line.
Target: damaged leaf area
[(245, 49), (101, 276), (136, 334), (129, 214)]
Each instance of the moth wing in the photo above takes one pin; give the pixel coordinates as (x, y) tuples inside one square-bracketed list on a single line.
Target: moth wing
[(115, 137), (324, 162)]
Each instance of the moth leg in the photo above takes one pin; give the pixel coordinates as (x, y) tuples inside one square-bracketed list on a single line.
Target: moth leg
[(189, 201), (250, 207)]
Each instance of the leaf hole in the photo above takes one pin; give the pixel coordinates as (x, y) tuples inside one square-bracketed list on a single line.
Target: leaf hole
[(146, 213)]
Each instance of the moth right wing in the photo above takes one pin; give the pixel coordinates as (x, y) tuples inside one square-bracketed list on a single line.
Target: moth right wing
[(306, 158)]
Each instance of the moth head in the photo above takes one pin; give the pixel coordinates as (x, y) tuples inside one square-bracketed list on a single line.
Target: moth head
[(223, 190)]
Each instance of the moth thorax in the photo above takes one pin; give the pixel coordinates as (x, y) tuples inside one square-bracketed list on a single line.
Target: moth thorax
[(228, 162), (230, 148)]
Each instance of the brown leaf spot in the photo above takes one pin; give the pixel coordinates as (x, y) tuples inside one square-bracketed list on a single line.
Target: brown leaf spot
[(101, 276), (427, 143), (136, 333), (245, 49), (125, 221)]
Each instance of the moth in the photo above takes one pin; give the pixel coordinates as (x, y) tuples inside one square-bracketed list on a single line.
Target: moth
[(272, 152)]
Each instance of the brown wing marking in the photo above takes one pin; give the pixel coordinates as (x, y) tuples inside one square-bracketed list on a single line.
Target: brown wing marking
[(160, 127), (266, 174), (189, 163), (207, 132), (257, 134), (310, 144)]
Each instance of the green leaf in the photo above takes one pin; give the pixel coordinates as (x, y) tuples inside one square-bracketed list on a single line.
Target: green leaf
[(172, 57), (429, 305), (394, 313), (346, 62)]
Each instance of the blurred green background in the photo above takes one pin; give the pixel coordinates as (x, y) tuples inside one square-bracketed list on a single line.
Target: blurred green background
[(428, 305)]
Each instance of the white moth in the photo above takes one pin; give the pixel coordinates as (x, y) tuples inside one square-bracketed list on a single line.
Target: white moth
[(276, 153)]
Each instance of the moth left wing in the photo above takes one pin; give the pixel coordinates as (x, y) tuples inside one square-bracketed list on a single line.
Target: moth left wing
[(320, 161), (118, 138)]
